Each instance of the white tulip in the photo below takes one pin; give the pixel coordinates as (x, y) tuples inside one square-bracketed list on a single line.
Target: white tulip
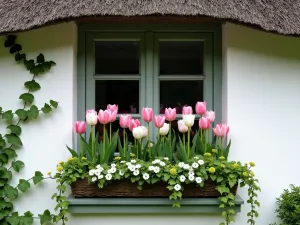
[(91, 117), (188, 120), (165, 129), (210, 115), (138, 132), (145, 131)]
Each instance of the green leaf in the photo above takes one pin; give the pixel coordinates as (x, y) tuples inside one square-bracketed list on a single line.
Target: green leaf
[(14, 220), (40, 58), (10, 41), (22, 114), (37, 69), (15, 129), (15, 48), (38, 177), (54, 103), (29, 64), (17, 165), (13, 139), (8, 115), (10, 192), (23, 185), (3, 158), (20, 57), (27, 97), (33, 112), (73, 152), (46, 109), (45, 217), (32, 85), (11, 153)]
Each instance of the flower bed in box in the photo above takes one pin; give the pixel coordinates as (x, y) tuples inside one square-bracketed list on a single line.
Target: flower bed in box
[(173, 166)]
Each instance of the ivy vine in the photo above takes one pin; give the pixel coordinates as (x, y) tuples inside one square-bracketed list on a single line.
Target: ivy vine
[(11, 141)]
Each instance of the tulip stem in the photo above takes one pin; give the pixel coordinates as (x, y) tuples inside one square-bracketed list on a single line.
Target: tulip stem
[(205, 144), (104, 137), (148, 134), (189, 131), (220, 143), (170, 130), (158, 134), (93, 142), (124, 143), (110, 133), (81, 146), (184, 140)]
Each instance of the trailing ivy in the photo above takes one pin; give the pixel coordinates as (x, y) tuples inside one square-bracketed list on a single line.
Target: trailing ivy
[(11, 141)]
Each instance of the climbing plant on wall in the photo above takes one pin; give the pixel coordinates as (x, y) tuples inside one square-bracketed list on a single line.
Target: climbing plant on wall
[(11, 142)]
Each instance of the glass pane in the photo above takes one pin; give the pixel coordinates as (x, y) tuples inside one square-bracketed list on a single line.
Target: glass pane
[(181, 57), (124, 93), (176, 94), (117, 57)]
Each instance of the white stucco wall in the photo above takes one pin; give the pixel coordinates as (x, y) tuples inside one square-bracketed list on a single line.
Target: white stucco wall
[(261, 91)]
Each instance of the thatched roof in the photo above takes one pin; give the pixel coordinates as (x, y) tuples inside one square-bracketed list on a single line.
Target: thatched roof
[(281, 16)]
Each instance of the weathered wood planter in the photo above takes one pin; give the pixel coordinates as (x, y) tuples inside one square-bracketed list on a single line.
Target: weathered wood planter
[(124, 188)]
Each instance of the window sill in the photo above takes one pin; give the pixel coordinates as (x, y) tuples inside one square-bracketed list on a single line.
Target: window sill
[(146, 205)]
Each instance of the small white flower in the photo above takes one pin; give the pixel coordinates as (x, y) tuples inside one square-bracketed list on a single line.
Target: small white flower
[(98, 166), (133, 161), (122, 161), (156, 161), (166, 158), (109, 171), (191, 178), (128, 164), (113, 170), (195, 165), (200, 162), (151, 168), (156, 169), (138, 166), (97, 172), (100, 176), (196, 157), (177, 187), (181, 164), (136, 172), (132, 168), (186, 167), (108, 176), (92, 172), (113, 165), (182, 178), (100, 169), (121, 173), (94, 179), (191, 173), (198, 180), (162, 164), (146, 176)]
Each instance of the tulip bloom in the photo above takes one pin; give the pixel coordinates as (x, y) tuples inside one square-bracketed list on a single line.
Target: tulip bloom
[(147, 114), (91, 117), (182, 127), (165, 129), (200, 108), (125, 121), (134, 123), (104, 116), (145, 131), (170, 114), (159, 121), (210, 115), (188, 120), (80, 127), (113, 108), (187, 110), (221, 130), (138, 132), (204, 123)]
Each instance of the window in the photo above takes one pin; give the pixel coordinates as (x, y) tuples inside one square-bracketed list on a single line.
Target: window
[(157, 69)]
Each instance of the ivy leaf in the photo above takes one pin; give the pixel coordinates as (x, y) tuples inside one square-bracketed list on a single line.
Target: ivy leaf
[(3, 158), (38, 177), (54, 103), (10, 192), (45, 217), (14, 219), (17, 165), (6, 175), (10, 41), (40, 58), (10, 153), (20, 57), (33, 112), (13, 139), (27, 219), (23, 185), (22, 114), (27, 97), (36, 70), (52, 63), (15, 48), (46, 109), (8, 115), (32, 85), (29, 64), (2, 142), (15, 129)]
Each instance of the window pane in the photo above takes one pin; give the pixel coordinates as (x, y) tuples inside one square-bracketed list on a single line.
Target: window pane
[(176, 94), (179, 57), (117, 57), (125, 93)]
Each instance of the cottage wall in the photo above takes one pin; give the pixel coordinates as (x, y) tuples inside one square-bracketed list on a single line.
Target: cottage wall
[(261, 92)]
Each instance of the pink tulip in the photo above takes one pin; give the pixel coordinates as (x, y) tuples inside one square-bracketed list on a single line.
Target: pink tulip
[(147, 114), (159, 121), (200, 108), (170, 114), (221, 130), (112, 115), (104, 116), (187, 110), (134, 123), (182, 127), (80, 127), (112, 107), (210, 115), (204, 123), (91, 117), (125, 121)]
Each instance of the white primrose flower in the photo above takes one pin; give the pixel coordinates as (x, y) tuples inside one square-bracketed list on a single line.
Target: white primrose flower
[(113, 170), (186, 167), (182, 178), (94, 179), (100, 169), (177, 187), (146, 176), (162, 164), (195, 165), (122, 161), (191, 173), (133, 161), (156, 161), (98, 166), (191, 178), (156, 169), (181, 164), (136, 172), (138, 166), (92, 172), (113, 165), (132, 168), (97, 172), (200, 162), (166, 158), (121, 173), (128, 164), (196, 157), (108, 176), (198, 180), (100, 176), (151, 168)]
